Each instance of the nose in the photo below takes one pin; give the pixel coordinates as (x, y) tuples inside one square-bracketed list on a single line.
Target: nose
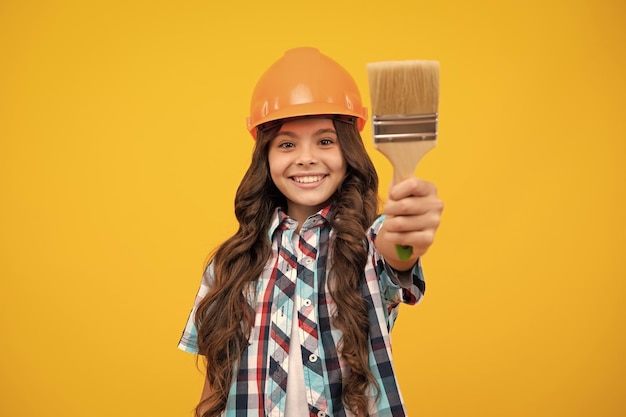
[(306, 156)]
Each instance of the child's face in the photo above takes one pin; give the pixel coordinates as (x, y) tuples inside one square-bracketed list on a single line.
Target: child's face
[(306, 164)]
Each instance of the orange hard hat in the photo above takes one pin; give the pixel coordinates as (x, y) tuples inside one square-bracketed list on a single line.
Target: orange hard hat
[(304, 82)]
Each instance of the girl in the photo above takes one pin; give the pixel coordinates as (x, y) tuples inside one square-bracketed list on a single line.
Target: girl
[(294, 311)]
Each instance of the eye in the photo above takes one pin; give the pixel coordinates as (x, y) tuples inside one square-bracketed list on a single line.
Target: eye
[(327, 141), (286, 145)]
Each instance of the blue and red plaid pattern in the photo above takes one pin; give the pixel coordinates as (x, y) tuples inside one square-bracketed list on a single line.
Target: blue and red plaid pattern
[(296, 275)]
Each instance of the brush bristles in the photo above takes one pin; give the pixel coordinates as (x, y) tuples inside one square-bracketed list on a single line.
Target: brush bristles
[(404, 87)]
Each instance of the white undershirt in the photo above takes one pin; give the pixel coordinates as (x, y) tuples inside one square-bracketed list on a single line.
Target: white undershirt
[(297, 405)]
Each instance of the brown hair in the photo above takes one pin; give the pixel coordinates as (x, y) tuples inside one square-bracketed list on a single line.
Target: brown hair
[(240, 261)]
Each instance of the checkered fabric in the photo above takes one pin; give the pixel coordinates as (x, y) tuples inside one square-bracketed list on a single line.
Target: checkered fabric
[(296, 276)]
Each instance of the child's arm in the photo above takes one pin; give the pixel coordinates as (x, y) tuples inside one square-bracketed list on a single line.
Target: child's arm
[(413, 213)]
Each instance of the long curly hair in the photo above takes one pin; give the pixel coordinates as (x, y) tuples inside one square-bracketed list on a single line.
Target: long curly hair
[(224, 318)]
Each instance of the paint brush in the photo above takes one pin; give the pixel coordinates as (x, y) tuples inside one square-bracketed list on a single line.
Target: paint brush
[(404, 97)]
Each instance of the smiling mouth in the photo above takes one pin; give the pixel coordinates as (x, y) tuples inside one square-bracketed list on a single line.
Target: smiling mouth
[(308, 179)]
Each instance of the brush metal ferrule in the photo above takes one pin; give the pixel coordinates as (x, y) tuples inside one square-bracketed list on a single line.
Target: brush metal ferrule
[(405, 128)]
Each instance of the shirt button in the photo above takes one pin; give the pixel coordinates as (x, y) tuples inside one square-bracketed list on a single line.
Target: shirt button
[(321, 414), (312, 357), (307, 302), (308, 261)]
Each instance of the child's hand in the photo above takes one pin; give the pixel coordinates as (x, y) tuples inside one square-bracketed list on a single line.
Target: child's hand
[(413, 213)]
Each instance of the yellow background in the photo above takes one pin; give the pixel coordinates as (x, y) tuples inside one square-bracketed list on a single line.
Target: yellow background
[(122, 141)]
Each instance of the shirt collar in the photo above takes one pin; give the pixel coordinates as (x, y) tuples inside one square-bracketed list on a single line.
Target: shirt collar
[(282, 220)]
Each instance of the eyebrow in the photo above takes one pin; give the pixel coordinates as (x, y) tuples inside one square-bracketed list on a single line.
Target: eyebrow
[(316, 133)]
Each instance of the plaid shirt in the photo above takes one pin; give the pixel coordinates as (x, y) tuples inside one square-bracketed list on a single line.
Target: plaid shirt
[(297, 273)]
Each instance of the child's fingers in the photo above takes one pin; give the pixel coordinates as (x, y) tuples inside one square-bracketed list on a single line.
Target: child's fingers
[(413, 205), (411, 187), (413, 223), (419, 241), (413, 213)]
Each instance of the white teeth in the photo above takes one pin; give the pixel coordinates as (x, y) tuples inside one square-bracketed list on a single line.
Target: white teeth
[(308, 179)]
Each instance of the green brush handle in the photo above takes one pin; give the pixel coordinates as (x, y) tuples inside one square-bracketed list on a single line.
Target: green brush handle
[(404, 252)]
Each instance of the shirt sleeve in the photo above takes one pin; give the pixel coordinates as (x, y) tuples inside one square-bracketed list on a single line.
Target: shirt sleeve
[(189, 339), (413, 284)]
